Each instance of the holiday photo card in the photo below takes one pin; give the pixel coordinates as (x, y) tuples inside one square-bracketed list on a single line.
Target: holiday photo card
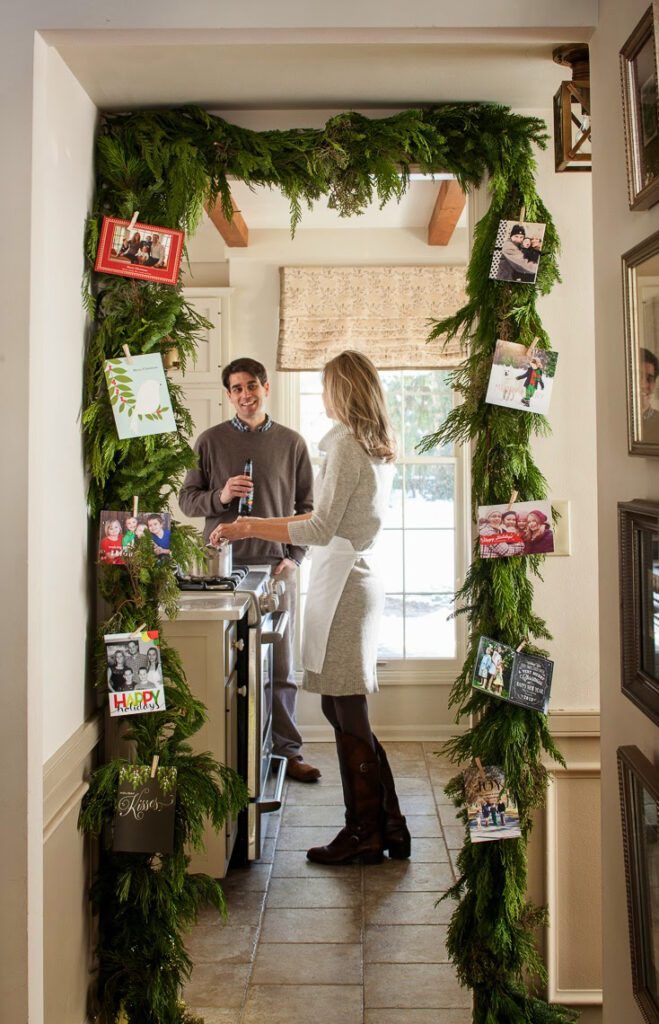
[(139, 396), (522, 679), (517, 251), (521, 528), (120, 530), (521, 378), (491, 811), (144, 251), (134, 673), (144, 818)]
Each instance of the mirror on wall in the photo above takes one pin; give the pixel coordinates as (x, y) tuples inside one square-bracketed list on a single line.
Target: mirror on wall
[(641, 300)]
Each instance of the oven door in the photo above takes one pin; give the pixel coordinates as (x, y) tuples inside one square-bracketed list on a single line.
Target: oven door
[(264, 787)]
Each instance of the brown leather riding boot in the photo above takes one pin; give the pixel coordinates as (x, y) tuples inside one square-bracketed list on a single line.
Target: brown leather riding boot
[(396, 835), (361, 837)]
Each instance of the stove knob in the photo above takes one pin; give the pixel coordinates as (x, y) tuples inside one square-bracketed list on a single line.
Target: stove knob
[(278, 587), (238, 644), (269, 602)]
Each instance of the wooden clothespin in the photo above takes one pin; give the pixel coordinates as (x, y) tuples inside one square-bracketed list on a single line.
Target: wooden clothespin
[(133, 221), (138, 632), (532, 347), (520, 646), (135, 504), (154, 765), (513, 499), (481, 770), (127, 353), (522, 214)]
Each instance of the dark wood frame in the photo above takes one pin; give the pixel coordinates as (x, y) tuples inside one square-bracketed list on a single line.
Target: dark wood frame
[(641, 197), (641, 688), (632, 259), (635, 770)]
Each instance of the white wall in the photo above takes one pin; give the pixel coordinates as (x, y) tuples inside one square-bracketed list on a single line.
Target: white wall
[(621, 477), (64, 125)]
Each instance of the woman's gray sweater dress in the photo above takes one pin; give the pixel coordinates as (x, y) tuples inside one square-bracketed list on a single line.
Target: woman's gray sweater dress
[(351, 498)]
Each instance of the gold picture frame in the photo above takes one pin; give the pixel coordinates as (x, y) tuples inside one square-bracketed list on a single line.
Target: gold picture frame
[(639, 73), (640, 289)]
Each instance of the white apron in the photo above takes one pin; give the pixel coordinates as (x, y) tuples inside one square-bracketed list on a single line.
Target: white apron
[(330, 567)]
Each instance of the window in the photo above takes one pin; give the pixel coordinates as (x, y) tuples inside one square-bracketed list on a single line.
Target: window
[(419, 549)]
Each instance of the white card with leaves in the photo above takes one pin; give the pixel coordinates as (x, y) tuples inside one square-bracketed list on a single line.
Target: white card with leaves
[(139, 396)]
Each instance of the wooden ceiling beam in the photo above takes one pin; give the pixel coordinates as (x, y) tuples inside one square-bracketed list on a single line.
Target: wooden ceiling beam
[(449, 205), (235, 231)]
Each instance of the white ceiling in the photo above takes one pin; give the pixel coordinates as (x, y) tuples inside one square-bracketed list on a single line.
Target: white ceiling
[(126, 72)]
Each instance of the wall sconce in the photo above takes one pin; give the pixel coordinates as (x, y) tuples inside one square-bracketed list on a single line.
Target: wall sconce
[(572, 146)]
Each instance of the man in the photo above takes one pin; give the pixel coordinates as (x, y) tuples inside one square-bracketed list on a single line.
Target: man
[(134, 660), (283, 486), (512, 262), (156, 253), (648, 368)]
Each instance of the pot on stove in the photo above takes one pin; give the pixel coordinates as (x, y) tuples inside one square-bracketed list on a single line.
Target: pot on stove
[(216, 561)]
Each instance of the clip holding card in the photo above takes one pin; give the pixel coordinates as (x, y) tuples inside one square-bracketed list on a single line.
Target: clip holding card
[(127, 353), (138, 632), (520, 646), (481, 770), (532, 347), (513, 499), (522, 214), (133, 221), (154, 765), (135, 504)]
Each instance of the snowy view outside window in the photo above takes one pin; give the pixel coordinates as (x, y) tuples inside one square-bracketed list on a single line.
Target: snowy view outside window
[(416, 549)]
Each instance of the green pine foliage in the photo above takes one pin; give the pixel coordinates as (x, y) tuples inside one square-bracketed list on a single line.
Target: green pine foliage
[(168, 164)]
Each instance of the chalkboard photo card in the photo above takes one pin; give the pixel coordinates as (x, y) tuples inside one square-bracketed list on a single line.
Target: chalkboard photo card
[(144, 818), (491, 810), (522, 679)]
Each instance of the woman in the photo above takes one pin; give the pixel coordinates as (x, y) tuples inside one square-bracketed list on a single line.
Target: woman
[(345, 601), (117, 672), (539, 536), (153, 674)]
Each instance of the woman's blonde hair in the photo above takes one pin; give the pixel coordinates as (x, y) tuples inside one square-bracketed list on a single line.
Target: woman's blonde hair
[(355, 394)]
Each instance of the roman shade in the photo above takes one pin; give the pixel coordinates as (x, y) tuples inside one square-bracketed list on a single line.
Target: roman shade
[(384, 312)]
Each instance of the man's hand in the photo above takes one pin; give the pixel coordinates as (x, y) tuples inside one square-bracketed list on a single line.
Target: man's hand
[(236, 487), (231, 531), (284, 565)]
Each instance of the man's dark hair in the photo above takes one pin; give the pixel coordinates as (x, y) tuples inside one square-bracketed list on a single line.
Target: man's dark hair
[(244, 365), (518, 230), (649, 357)]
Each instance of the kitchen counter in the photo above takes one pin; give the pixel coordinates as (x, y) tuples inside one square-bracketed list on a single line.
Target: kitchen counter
[(209, 606)]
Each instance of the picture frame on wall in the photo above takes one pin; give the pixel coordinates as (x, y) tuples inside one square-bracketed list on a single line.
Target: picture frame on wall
[(640, 286), (639, 806), (638, 67), (638, 542)]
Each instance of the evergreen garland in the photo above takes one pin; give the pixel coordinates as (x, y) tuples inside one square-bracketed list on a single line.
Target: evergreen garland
[(167, 164)]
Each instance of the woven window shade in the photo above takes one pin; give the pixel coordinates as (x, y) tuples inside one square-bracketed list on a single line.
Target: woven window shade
[(381, 311)]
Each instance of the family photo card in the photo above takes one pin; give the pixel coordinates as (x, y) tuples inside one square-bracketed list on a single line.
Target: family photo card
[(119, 531), (143, 251), (134, 673), (519, 678), (144, 818), (139, 396), (521, 378), (517, 251), (521, 528), (491, 811)]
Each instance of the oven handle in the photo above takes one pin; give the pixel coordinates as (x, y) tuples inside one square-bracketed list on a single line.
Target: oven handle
[(267, 806), (279, 624)]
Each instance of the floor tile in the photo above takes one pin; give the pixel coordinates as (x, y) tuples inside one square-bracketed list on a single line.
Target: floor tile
[(298, 1004), (423, 825), (251, 879), (417, 804), (407, 908), (245, 908), (405, 944), (454, 836), (333, 925), (407, 876), (337, 891), (305, 836), (320, 793), (297, 815), (308, 964), (212, 1015), (211, 943), (428, 850), (219, 985), (421, 986), (410, 1016), (294, 864)]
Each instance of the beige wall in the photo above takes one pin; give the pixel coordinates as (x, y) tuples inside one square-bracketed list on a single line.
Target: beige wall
[(620, 476)]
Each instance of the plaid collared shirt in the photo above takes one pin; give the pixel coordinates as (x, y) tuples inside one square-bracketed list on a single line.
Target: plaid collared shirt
[(238, 424)]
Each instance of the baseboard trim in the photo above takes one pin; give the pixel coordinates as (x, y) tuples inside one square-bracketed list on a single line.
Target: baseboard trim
[(391, 733)]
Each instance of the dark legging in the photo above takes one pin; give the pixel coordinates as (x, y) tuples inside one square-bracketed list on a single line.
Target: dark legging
[(349, 714)]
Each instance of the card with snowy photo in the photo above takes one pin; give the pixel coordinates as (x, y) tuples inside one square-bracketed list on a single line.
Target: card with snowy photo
[(522, 378)]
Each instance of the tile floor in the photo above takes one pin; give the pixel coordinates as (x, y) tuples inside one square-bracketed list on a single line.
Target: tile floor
[(355, 945)]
